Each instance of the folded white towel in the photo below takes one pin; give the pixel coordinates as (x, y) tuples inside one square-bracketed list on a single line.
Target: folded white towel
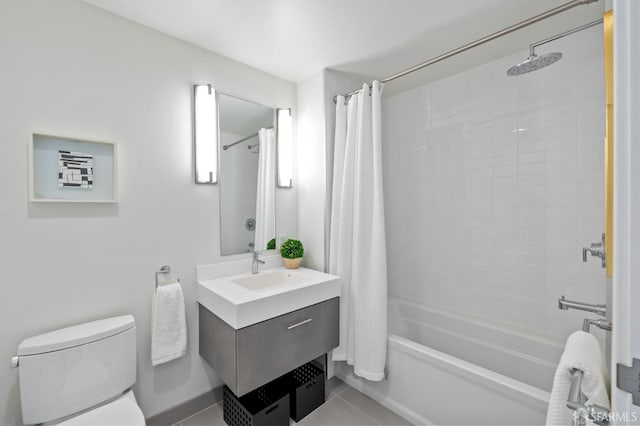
[(583, 352), (168, 324)]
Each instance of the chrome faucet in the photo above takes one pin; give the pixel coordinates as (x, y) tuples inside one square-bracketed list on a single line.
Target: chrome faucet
[(255, 262)]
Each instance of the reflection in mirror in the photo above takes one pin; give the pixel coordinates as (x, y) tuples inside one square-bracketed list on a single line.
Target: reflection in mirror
[(247, 175)]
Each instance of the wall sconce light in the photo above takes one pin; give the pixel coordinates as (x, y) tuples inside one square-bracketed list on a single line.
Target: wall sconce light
[(284, 126), (205, 133)]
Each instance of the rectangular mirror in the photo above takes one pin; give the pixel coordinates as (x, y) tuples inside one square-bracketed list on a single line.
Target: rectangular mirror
[(247, 175)]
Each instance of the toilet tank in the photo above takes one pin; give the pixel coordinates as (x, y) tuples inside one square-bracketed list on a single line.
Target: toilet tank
[(69, 370)]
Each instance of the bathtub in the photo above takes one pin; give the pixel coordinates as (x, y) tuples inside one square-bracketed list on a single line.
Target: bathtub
[(449, 369)]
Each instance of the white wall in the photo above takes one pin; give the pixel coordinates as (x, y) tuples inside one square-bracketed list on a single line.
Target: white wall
[(487, 221), (71, 69), (311, 180)]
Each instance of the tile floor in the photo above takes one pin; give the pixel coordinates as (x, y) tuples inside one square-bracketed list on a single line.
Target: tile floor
[(344, 406)]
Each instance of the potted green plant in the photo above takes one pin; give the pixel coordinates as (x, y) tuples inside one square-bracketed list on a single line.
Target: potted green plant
[(292, 252)]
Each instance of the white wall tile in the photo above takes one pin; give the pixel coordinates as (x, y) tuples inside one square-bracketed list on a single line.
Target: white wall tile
[(493, 216)]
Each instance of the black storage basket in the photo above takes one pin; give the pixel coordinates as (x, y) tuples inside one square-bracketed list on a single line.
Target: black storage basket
[(306, 390), (265, 406)]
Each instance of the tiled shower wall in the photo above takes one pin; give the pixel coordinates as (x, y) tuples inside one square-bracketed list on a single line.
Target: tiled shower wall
[(492, 186)]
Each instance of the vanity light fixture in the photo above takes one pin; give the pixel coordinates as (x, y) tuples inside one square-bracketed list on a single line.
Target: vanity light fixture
[(284, 126), (205, 133)]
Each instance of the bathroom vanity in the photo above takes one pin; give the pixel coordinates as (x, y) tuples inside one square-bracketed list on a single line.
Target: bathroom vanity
[(255, 328)]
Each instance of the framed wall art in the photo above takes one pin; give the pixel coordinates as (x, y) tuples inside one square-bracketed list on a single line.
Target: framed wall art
[(70, 170)]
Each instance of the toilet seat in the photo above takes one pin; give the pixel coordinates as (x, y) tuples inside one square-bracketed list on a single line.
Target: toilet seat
[(121, 411)]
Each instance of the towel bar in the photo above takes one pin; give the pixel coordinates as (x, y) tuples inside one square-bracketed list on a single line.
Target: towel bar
[(575, 401), (164, 269)]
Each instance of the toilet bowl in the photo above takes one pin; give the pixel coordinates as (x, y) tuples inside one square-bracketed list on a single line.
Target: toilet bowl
[(81, 375)]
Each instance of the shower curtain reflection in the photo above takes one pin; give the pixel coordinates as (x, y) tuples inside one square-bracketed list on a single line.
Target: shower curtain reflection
[(266, 190)]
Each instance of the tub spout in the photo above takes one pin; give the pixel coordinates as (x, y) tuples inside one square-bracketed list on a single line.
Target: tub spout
[(565, 304)]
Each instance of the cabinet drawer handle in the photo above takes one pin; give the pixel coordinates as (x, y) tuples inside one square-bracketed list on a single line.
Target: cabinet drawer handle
[(298, 324)]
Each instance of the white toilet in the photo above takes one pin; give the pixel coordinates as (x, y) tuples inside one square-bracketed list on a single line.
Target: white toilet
[(81, 375)]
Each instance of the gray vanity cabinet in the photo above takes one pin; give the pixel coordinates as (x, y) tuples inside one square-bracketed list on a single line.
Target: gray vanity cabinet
[(250, 357)]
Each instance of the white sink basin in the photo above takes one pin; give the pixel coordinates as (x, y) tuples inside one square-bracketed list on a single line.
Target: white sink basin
[(268, 279), (245, 299)]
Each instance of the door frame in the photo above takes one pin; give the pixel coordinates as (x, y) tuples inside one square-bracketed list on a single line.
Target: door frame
[(626, 227)]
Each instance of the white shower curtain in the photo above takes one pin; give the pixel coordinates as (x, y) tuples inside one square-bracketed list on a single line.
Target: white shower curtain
[(357, 246), (266, 190)]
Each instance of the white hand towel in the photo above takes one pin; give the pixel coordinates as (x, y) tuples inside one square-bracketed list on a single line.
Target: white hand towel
[(583, 352), (168, 324)]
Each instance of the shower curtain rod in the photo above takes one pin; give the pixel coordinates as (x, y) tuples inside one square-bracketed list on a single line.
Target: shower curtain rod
[(522, 24), (225, 147)]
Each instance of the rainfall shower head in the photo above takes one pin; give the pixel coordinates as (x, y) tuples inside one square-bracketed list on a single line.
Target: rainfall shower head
[(534, 63)]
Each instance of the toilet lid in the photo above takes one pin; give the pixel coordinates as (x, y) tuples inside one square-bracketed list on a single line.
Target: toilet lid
[(121, 411)]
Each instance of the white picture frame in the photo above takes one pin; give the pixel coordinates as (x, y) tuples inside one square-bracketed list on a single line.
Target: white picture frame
[(44, 153)]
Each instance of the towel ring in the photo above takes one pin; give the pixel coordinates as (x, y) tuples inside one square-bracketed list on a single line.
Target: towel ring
[(164, 270)]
